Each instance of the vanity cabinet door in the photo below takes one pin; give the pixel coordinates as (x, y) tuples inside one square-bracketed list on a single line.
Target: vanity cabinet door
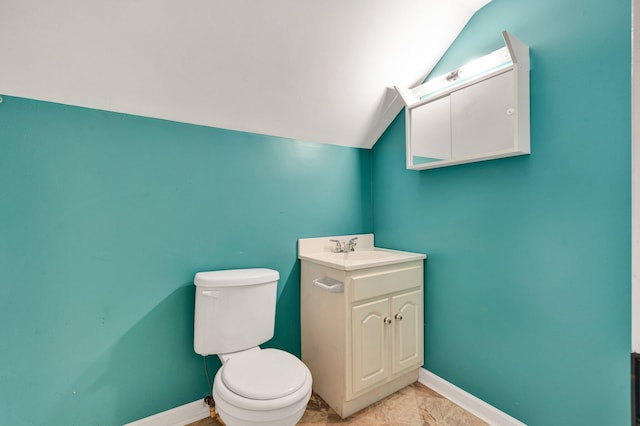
[(370, 343), (408, 330)]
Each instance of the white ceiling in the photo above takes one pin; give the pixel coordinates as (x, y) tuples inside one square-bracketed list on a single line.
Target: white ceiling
[(310, 70)]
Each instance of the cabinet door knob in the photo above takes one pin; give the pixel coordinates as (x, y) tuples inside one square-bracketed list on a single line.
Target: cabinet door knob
[(398, 316), (387, 320)]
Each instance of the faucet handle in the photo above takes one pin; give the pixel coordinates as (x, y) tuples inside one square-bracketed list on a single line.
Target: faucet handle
[(352, 243), (338, 248)]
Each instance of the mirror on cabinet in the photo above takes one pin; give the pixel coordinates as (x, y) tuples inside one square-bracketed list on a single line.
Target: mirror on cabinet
[(477, 112)]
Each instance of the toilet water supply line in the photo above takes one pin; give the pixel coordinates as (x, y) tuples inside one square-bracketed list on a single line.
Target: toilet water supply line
[(209, 398)]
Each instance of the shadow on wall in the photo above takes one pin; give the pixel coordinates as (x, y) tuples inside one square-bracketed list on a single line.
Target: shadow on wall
[(122, 385), (287, 332)]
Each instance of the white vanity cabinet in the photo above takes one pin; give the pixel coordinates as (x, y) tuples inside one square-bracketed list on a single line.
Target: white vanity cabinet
[(365, 342)]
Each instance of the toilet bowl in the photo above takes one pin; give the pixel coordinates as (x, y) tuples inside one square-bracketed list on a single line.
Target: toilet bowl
[(234, 314), (261, 387)]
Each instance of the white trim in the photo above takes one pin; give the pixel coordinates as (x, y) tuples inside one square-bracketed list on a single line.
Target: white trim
[(178, 416), (635, 179), (475, 406), (198, 410)]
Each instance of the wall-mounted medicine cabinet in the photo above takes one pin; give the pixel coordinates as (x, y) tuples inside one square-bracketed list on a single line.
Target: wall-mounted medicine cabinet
[(477, 112)]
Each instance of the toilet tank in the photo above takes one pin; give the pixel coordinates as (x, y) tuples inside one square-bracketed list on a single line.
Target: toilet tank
[(235, 309)]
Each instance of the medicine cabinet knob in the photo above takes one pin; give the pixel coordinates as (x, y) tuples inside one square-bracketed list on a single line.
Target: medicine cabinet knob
[(387, 320), (398, 316)]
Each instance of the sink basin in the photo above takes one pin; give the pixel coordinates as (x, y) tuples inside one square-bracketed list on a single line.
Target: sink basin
[(360, 259), (362, 255)]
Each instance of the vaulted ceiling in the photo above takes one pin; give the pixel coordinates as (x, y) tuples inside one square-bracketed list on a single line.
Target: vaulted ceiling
[(318, 71)]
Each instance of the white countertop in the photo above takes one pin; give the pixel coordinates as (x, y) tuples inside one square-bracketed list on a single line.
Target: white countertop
[(320, 250)]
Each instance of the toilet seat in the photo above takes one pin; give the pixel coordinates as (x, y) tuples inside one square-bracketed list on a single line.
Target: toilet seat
[(264, 374), (242, 382)]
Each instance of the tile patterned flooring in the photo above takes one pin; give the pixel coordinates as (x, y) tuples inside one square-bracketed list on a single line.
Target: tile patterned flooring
[(414, 405)]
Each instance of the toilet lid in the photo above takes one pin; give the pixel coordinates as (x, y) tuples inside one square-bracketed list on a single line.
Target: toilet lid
[(264, 374)]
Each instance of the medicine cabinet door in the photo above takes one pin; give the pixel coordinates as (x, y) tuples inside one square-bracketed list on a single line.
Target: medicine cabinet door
[(483, 117), (430, 132)]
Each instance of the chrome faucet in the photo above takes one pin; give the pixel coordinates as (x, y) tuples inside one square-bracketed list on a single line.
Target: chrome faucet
[(345, 247), (339, 247)]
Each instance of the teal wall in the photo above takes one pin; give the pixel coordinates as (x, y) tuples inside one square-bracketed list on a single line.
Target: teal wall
[(528, 276), (104, 220)]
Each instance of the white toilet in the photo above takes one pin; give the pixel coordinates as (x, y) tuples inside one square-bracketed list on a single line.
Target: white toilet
[(234, 313)]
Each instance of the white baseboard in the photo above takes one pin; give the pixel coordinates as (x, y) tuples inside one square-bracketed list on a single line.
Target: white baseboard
[(475, 406), (178, 416), (197, 410)]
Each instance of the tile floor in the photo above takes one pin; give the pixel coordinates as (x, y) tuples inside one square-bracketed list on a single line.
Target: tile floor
[(412, 406)]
